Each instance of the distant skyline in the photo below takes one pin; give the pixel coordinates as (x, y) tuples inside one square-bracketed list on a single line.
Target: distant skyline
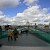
[(21, 11)]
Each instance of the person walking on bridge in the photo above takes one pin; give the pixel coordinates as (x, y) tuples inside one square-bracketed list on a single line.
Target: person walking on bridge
[(0, 30), (10, 34), (15, 32)]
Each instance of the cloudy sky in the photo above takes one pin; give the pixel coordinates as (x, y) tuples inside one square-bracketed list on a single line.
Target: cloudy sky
[(21, 11)]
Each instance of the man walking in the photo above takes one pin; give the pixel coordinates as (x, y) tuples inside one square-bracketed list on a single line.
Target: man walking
[(15, 34)]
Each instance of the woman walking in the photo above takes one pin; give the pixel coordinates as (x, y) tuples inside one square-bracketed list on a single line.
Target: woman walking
[(10, 34)]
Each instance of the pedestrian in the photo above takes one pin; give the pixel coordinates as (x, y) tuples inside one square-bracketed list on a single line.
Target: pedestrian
[(10, 34), (15, 32), (0, 30)]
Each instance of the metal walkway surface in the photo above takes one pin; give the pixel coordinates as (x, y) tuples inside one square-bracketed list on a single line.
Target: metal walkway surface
[(25, 40), (23, 48)]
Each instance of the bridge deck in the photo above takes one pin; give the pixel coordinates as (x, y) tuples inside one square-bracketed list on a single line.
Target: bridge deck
[(25, 40)]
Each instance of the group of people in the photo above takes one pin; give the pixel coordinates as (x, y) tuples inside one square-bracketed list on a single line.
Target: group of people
[(12, 34)]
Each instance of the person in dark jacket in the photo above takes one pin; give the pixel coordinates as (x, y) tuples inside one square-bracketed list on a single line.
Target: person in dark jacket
[(15, 32), (0, 30)]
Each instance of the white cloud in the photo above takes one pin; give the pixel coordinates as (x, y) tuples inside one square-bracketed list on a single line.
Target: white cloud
[(31, 14), (45, 10), (9, 3), (47, 18), (30, 2), (4, 19)]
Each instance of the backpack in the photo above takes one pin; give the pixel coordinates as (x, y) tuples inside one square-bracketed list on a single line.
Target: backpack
[(15, 32)]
